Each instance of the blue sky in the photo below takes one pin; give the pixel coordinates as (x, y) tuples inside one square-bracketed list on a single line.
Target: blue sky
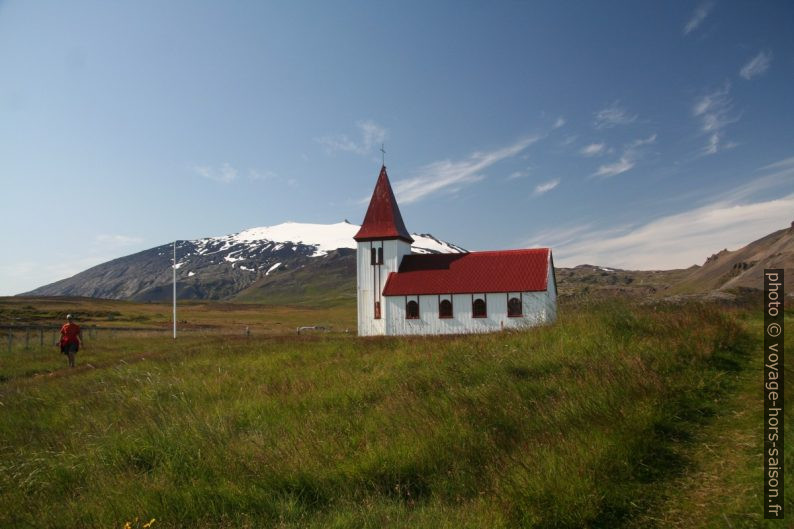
[(627, 134)]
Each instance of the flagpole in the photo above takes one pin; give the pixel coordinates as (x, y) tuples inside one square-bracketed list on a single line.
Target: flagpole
[(174, 290)]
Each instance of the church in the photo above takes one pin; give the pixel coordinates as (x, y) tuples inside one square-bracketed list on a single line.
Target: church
[(403, 293)]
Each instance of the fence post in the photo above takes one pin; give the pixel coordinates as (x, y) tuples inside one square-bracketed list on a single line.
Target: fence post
[(10, 339), (27, 338), (52, 341), (41, 338)]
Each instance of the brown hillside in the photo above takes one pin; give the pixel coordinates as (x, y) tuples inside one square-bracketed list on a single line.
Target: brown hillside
[(744, 268)]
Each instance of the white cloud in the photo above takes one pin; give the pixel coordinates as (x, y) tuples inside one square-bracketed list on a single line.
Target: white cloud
[(518, 174), (448, 175), (253, 174), (730, 220), (370, 135), (778, 175), (679, 240), (756, 66), (559, 123), (594, 149), (640, 142), (224, 174), (546, 186), (631, 155), (715, 112), (117, 240), (698, 16), (24, 276), (613, 115), (625, 163)]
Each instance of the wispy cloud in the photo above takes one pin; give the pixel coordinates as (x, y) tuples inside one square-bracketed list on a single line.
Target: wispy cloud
[(756, 66), (559, 123), (117, 240), (643, 141), (775, 176), (612, 115), (594, 149), (625, 163), (23, 276), (673, 241), (449, 175), (254, 174), (698, 16), (715, 112), (632, 153), (729, 220), (546, 187), (568, 141), (370, 135), (224, 174), (518, 174)]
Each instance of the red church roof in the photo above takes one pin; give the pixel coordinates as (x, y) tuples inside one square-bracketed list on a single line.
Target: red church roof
[(383, 219), (475, 272)]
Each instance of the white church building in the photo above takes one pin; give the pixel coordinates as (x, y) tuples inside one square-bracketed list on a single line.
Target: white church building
[(404, 293)]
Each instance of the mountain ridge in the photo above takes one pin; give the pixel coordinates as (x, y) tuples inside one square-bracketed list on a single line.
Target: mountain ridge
[(225, 266), (299, 263)]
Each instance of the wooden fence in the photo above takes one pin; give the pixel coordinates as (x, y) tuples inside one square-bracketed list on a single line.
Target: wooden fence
[(38, 336)]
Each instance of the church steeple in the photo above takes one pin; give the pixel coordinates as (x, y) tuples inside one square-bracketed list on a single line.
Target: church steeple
[(383, 220)]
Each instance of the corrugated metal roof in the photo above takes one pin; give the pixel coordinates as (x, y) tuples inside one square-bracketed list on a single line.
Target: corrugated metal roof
[(475, 272), (383, 219)]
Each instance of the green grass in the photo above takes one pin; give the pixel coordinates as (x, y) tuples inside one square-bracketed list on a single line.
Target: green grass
[(596, 421), (722, 484)]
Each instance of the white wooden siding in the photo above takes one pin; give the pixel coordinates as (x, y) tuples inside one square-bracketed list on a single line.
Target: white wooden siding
[(551, 288), (538, 308), (372, 279)]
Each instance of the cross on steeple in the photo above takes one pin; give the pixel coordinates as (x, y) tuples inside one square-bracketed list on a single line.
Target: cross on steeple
[(383, 154)]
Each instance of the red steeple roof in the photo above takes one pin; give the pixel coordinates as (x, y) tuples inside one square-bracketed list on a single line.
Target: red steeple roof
[(383, 219)]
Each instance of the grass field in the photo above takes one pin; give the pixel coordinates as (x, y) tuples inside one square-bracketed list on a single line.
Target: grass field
[(617, 416), (213, 317)]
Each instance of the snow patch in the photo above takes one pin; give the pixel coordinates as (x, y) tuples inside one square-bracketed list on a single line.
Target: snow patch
[(272, 268), (326, 237), (191, 274)]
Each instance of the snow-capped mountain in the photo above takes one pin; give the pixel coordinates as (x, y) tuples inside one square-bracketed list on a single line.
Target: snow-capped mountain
[(254, 264), (324, 238)]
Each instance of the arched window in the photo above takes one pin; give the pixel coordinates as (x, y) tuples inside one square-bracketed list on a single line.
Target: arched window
[(479, 309), (412, 310), (445, 309), (514, 308)]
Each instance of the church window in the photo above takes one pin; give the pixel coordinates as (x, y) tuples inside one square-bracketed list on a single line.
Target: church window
[(479, 309), (377, 310), (412, 310), (376, 256), (514, 309), (445, 309)]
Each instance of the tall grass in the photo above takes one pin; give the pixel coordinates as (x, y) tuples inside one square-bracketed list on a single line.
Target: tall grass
[(581, 424)]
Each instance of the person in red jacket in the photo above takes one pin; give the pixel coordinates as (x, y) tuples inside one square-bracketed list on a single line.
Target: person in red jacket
[(71, 339)]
